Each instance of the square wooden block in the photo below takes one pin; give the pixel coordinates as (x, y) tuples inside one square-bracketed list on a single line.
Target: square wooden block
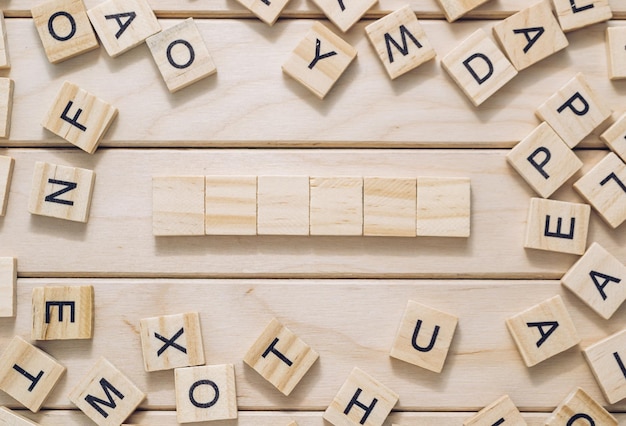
[(544, 160), (478, 67), (604, 187), (62, 313), (62, 192), (501, 412), (424, 336), (181, 55), (389, 207), (454, 9), (336, 206), (615, 52), (8, 287), (230, 205), (443, 207), (530, 35), (171, 341), (607, 359), (123, 24), (6, 106), (105, 395), (64, 29), (362, 400), (580, 406), (11, 418), (576, 14), (283, 205), (205, 393), (5, 60), (79, 117), (6, 175), (344, 13), (319, 60), (615, 136), (281, 357), (543, 331), (574, 111), (400, 42), (266, 10), (178, 205), (557, 226), (28, 374)]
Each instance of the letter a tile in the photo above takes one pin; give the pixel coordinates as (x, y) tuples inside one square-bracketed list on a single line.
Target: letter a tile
[(580, 406), (11, 418), (478, 67), (61, 313), (543, 331), (501, 412), (607, 359), (280, 357), (575, 14), (8, 282), (6, 174), (319, 60)]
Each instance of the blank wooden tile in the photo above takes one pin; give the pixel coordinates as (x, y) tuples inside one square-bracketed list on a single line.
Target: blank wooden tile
[(61, 191), (28, 374), (615, 136), (574, 111), (543, 331), (530, 35), (11, 418), (607, 360), (454, 9), (181, 55), (62, 313), (501, 412), (281, 357), (8, 283), (389, 206), (5, 61), (354, 404), (123, 24), (576, 14), (400, 42), (557, 226), (6, 106), (443, 207), (544, 160), (64, 29), (424, 336), (171, 341), (105, 395), (336, 206), (230, 205), (205, 393), (266, 10), (478, 67), (283, 205), (604, 187), (615, 52), (178, 205), (6, 175), (580, 407), (319, 59), (344, 13)]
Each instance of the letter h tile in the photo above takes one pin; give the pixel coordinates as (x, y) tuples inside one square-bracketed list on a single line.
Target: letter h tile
[(61, 313)]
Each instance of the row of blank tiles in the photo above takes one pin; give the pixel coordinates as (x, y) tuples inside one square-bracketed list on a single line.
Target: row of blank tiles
[(303, 205)]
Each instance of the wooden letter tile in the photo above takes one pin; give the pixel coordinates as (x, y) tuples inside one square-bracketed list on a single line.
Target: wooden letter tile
[(6, 106), (230, 205), (61, 313), (580, 406), (362, 400), (336, 206), (64, 29), (105, 395), (8, 283), (6, 175), (280, 357), (604, 187), (615, 52), (501, 412), (319, 60), (615, 136), (123, 24), (11, 418), (530, 35), (575, 14), (389, 206), (344, 13), (171, 341), (205, 393), (5, 61), (79, 117), (543, 331), (28, 374), (178, 205), (443, 207), (454, 9), (400, 42), (266, 10), (557, 226), (61, 191), (544, 160), (607, 359), (181, 55), (574, 111), (424, 336), (283, 205), (478, 67)]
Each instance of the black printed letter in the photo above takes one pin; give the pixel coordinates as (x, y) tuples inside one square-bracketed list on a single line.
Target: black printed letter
[(531, 40), (94, 401), (354, 401), (570, 104), (34, 380), (539, 166), (130, 16), (616, 179), (404, 49), (170, 342), (60, 305), (72, 121), (209, 404), (578, 416), (273, 350), (479, 80), (433, 338), (192, 54), (52, 198), (577, 9), (558, 233), (607, 278), (544, 335), (318, 46), (54, 34)]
